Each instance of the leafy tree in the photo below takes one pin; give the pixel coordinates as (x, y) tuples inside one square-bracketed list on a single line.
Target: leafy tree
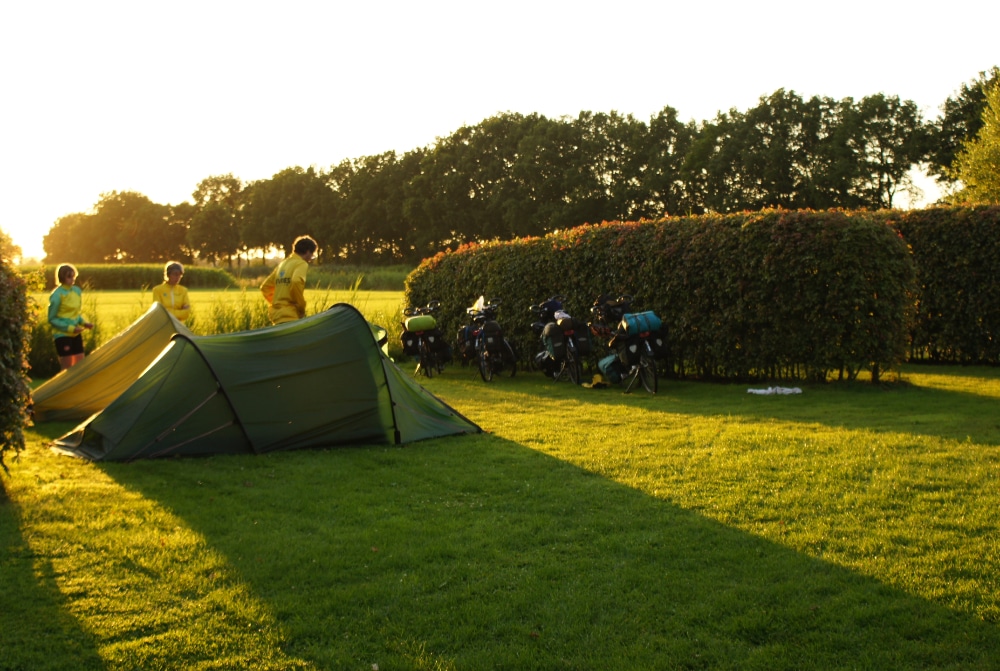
[(374, 226), (293, 202), (466, 187), (73, 238), (214, 231), (761, 156), (977, 166), (960, 121), (8, 250), (611, 186), (147, 231), (549, 168), (888, 138), (663, 187)]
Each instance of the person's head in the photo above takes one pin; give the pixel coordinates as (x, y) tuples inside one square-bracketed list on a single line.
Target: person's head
[(66, 273), (172, 272), (305, 246)]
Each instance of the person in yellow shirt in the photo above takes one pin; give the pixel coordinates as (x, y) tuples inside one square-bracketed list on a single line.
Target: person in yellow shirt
[(171, 294), (65, 318), (284, 289)]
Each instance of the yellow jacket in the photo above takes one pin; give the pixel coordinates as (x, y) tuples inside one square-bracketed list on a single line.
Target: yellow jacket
[(65, 303), (284, 289), (174, 298)]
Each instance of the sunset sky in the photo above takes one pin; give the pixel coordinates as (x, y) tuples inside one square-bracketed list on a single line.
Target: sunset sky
[(153, 97)]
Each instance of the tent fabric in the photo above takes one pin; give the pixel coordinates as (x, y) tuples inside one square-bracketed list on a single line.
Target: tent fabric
[(315, 382), (102, 376)]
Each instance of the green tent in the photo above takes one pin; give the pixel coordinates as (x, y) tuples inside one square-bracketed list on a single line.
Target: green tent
[(89, 386), (315, 382)]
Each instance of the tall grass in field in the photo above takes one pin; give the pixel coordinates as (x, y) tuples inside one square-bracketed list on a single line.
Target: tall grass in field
[(214, 312)]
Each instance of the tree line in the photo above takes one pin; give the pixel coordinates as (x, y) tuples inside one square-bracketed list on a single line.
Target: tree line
[(515, 175)]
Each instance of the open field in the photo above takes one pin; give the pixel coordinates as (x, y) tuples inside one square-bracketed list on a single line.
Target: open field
[(117, 309), (850, 527)]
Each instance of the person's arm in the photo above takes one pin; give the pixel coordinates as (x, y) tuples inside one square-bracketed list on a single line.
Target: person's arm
[(182, 311), (297, 291), (267, 287)]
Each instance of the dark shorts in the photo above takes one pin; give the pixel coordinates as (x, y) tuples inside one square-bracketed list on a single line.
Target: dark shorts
[(69, 345)]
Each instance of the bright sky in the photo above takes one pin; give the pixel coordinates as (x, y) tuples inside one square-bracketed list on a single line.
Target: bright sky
[(100, 96)]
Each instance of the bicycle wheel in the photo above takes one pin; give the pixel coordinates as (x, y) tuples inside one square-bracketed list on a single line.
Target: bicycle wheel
[(647, 373), (485, 366), (509, 358)]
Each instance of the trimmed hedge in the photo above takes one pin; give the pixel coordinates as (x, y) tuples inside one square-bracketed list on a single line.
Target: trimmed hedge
[(774, 294), (109, 277), (957, 255), (15, 325)]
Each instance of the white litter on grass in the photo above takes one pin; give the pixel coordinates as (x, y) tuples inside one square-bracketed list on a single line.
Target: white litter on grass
[(770, 391)]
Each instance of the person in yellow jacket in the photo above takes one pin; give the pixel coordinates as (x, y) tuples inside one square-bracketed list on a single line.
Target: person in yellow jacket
[(171, 294), (284, 289), (65, 318)]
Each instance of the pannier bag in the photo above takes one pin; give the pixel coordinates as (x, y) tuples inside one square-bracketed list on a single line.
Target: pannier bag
[(546, 363), (658, 341), (466, 345), (629, 351), (640, 322), (581, 334), (420, 323), (435, 338), (409, 343), (555, 341), (611, 368), (493, 336)]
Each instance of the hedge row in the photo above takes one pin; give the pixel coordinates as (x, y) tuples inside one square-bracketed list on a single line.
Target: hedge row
[(956, 251), (109, 277), (14, 329), (773, 294)]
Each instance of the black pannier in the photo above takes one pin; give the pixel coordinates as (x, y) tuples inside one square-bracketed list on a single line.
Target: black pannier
[(581, 334), (493, 336), (629, 350), (409, 342), (436, 341), (555, 341), (658, 341)]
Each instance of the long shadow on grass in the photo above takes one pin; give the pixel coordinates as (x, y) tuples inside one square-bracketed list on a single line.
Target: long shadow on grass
[(37, 632), (481, 553), (895, 407)]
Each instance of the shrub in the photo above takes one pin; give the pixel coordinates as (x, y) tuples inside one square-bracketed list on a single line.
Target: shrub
[(110, 277), (773, 294), (956, 251), (15, 323)]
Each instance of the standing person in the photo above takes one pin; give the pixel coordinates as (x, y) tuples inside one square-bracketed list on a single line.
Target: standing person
[(171, 294), (284, 289), (65, 305)]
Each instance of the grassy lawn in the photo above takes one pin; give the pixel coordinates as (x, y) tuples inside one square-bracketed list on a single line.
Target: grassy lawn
[(850, 527)]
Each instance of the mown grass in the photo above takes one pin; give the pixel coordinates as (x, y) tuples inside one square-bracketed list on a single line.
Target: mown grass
[(851, 527)]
